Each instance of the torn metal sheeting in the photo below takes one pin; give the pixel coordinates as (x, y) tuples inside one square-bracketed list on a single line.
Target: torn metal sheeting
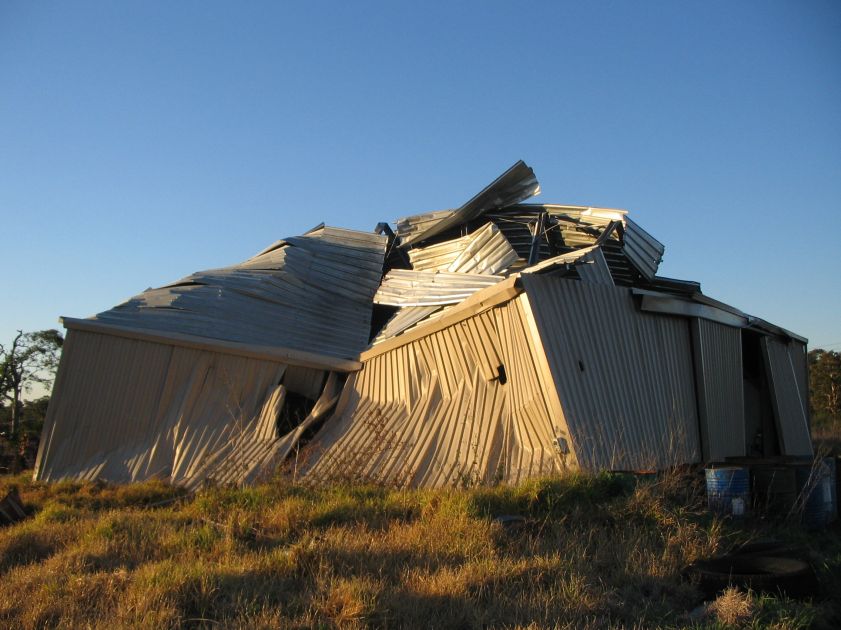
[(423, 415), (513, 186), (589, 263), (484, 251), (527, 339), (430, 288), (311, 293), (404, 319), (642, 249), (127, 410), (629, 252)]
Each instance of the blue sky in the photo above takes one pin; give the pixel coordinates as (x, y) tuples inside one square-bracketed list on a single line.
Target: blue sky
[(142, 141)]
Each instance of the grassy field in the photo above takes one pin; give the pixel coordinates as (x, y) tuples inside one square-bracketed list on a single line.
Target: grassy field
[(595, 551)]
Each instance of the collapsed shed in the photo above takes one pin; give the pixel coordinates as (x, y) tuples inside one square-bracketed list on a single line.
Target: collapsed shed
[(494, 342)]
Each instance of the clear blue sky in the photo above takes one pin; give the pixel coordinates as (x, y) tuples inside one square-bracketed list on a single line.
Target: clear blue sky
[(141, 141)]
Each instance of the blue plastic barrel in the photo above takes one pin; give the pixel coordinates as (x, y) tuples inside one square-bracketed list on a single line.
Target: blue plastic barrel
[(728, 490), (814, 482)]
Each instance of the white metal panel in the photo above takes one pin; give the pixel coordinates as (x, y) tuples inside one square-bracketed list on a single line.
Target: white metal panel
[(788, 399), (127, 410), (720, 386), (624, 378), (435, 411)]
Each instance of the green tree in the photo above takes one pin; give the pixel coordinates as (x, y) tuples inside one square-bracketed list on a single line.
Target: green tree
[(825, 385), (32, 358)]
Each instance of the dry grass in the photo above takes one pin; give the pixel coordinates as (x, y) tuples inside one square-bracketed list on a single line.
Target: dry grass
[(595, 551), (732, 607)]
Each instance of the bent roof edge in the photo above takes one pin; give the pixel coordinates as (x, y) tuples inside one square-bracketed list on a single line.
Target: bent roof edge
[(289, 356)]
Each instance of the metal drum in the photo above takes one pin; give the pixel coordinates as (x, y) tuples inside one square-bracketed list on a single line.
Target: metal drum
[(728, 490)]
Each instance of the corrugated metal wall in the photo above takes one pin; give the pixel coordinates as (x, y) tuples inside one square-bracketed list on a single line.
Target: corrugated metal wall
[(789, 396), (127, 410), (624, 378), (800, 361), (435, 411), (720, 385), (642, 249)]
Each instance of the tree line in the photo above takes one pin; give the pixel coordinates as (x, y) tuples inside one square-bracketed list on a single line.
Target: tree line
[(825, 388), (30, 360)]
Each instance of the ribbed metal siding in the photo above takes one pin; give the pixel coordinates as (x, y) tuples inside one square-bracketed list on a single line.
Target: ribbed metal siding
[(788, 398), (800, 361), (402, 287), (642, 249), (434, 413), (485, 251), (514, 185), (624, 378), (309, 293), (590, 265), (720, 386), (126, 410)]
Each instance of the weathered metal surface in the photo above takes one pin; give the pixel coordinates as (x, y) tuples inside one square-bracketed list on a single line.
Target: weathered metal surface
[(720, 389), (788, 397), (310, 293), (471, 380), (642, 249), (514, 185), (275, 354), (435, 412), (800, 361), (624, 378), (126, 410), (427, 288), (630, 252), (485, 251), (589, 264), (657, 302)]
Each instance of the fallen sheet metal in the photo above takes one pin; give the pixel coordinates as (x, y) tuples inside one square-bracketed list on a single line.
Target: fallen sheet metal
[(630, 252), (486, 251), (589, 264), (513, 186), (401, 287)]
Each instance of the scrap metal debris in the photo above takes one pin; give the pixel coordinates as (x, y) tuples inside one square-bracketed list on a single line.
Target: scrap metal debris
[(492, 342)]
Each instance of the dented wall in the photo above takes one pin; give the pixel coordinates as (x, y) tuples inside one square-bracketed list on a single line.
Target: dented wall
[(127, 409), (469, 403)]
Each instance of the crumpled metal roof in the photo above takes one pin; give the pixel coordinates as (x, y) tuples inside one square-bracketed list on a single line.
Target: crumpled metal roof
[(486, 251), (526, 357), (402, 287), (513, 186), (310, 292), (589, 264)]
